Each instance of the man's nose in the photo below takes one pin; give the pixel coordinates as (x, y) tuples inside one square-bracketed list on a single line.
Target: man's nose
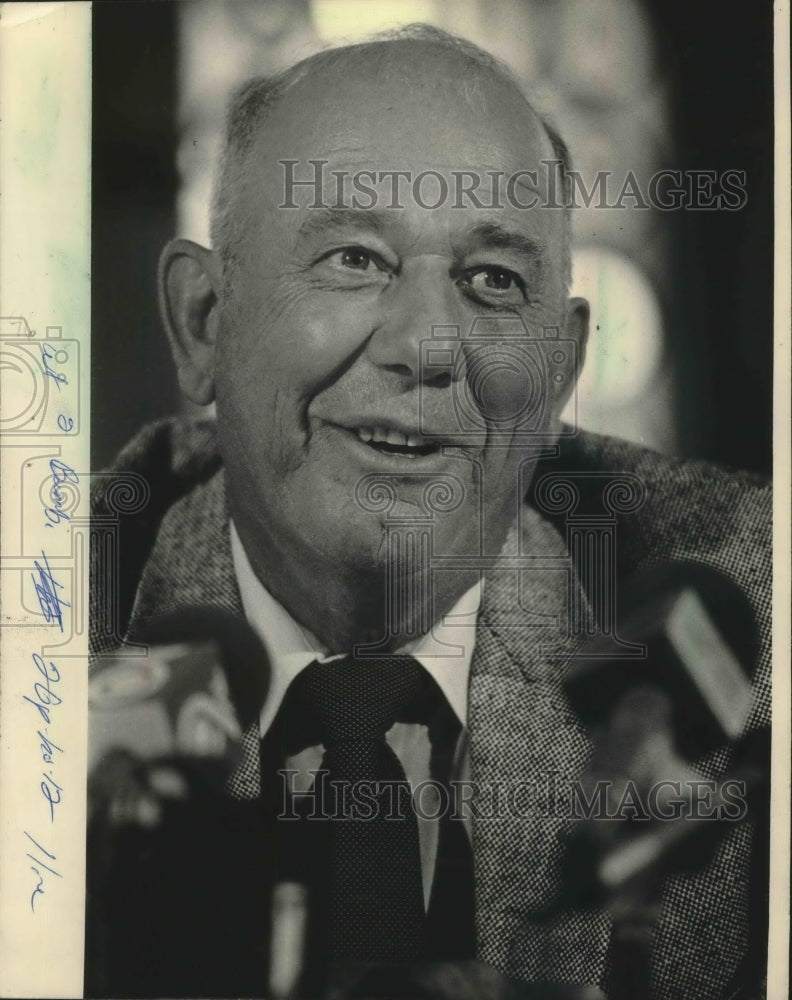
[(419, 333)]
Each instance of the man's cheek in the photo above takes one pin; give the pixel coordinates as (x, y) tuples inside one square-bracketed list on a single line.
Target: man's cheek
[(505, 384), (348, 529), (333, 326), (508, 395)]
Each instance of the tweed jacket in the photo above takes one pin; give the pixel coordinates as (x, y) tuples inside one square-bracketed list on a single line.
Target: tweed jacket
[(162, 541)]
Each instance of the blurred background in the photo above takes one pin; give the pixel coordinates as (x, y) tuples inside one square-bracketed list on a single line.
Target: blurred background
[(681, 351)]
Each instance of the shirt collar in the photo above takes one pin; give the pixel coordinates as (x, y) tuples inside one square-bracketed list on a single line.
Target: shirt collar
[(446, 651)]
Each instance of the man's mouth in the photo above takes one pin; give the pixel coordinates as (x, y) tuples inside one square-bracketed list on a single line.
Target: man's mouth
[(389, 441)]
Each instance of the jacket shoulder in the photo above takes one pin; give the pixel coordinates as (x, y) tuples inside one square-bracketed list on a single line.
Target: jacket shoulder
[(168, 453), (681, 511), (161, 465), (682, 508)]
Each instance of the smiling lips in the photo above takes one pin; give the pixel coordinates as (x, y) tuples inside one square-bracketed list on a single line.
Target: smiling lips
[(394, 442)]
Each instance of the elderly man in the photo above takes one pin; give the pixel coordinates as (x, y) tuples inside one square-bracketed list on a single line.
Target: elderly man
[(383, 315)]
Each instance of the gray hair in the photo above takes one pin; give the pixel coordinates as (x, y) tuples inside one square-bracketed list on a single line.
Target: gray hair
[(251, 102)]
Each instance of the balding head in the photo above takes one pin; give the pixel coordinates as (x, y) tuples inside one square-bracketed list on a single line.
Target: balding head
[(459, 71)]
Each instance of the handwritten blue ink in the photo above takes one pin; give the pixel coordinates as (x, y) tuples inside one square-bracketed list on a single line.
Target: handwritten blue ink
[(65, 423), (46, 356), (46, 591), (44, 700), (39, 890), (47, 746), (51, 791), (44, 697), (61, 473)]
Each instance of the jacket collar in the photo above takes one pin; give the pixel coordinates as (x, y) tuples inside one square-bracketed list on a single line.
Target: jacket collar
[(524, 612), (524, 740)]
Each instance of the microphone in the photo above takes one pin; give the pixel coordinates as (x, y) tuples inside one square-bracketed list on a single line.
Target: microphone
[(700, 639), (179, 876), (202, 682), (650, 718), (648, 812)]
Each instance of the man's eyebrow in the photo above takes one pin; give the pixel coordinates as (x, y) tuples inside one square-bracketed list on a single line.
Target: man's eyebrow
[(494, 235), (326, 220)]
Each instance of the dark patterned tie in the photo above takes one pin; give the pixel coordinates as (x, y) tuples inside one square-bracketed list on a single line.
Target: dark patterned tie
[(370, 889)]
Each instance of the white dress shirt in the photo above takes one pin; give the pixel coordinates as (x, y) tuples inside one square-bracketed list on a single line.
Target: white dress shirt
[(446, 652)]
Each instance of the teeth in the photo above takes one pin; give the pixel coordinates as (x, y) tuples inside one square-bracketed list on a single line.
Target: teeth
[(388, 435)]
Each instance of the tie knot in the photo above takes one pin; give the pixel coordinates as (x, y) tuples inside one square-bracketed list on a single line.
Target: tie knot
[(354, 700)]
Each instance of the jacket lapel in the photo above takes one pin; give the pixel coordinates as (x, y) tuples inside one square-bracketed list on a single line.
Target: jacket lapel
[(183, 573), (526, 746), (191, 563), (525, 742)]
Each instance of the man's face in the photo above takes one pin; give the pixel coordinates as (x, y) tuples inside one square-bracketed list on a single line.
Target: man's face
[(318, 372)]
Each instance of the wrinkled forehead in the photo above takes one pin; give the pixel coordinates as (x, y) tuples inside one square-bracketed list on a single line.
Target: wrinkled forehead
[(383, 126), (407, 106)]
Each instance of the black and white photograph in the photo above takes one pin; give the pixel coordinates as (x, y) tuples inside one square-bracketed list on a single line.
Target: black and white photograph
[(395, 449)]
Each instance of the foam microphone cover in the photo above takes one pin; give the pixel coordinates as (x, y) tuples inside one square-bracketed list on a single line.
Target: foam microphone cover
[(699, 642), (179, 872), (201, 681)]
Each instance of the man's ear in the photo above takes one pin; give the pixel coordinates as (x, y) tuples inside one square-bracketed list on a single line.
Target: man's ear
[(577, 328), (190, 286)]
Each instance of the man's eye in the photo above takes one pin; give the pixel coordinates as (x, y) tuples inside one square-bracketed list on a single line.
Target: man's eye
[(496, 277), (354, 258), (352, 268), (495, 283)]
